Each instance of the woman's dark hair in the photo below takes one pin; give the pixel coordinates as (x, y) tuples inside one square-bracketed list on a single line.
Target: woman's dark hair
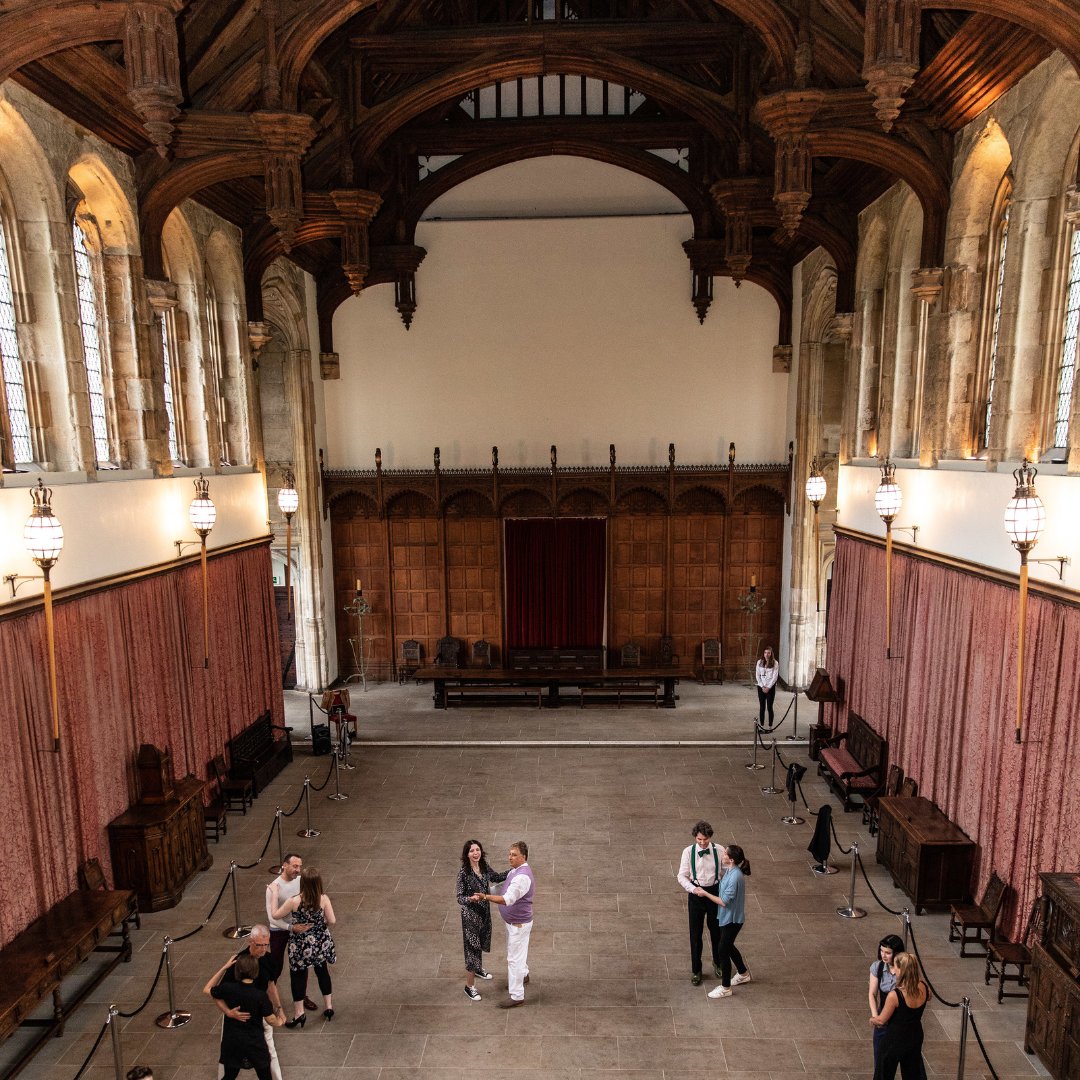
[(466, 865), (893, 942), (311, 890), (702, 827), (765, 649), (246, 967), (738, 857)]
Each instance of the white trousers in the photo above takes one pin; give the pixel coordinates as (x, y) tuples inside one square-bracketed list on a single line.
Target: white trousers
[(517, 958), (275, 1065)]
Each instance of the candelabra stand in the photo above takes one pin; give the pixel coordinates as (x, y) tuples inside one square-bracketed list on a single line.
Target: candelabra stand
[(751, 603), (358, 609)]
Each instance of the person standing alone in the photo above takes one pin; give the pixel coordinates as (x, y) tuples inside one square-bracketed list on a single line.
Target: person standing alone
[(766, 672), (516, 909), (699, 868)]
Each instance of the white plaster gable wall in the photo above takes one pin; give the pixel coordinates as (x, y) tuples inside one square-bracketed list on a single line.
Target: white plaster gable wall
[(577, 332)]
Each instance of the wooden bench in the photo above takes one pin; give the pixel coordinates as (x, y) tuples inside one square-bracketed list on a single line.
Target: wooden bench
[(256, 754), (36, 961), (640, 692), (853, 762), (495, 691)]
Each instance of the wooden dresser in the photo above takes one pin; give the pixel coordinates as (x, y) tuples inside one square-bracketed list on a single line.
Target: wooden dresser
[(1053, 1017), (927, 855), (157, 848)]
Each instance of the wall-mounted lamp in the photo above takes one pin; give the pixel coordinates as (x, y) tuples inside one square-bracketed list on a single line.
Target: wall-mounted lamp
[(288, 502), (202, 514), (43, 536), (816, 489), (887, 500), (1025, 516)]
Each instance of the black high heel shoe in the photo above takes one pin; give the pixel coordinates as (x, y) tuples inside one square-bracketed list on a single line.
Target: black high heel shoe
[(329, 1014), (297, 1021)]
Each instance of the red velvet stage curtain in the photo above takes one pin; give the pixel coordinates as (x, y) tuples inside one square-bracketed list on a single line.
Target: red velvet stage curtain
[(946, 703), (555, 582), (131, 671)]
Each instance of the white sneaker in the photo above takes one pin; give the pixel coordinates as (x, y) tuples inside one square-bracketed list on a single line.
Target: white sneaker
[(472, 993), (720, 991), (481, 974), (738, 980)]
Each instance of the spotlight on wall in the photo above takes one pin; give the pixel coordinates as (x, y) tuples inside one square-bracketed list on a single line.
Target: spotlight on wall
[(288, 501), (202, 514), (43, 536), (816, 489)]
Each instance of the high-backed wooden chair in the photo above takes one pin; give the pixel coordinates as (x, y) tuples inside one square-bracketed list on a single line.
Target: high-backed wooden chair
[(1001, 955), (710, 661), (410, 660), (967, 924), (237, 794), (447, 652), (630, 655), (891, 787), (91, 877), (908, 789), (666, 655), (481, 653)]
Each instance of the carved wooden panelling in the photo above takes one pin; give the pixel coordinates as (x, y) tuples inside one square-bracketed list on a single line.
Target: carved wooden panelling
[(360, 555), (756, 549), (416, 574), (472, 566), (697, 550), (638, 560)]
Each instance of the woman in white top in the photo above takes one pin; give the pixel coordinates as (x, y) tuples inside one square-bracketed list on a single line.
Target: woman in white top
[(765, 675)]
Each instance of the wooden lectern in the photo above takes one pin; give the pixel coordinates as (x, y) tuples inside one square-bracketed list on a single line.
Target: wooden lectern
[(823, 692)]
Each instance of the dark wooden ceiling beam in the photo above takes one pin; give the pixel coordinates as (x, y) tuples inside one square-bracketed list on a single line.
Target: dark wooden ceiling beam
[(213, 53)]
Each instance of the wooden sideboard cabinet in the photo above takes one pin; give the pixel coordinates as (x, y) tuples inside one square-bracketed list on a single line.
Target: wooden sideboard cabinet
[(929, 857), (1053, 1017), (157, 848)]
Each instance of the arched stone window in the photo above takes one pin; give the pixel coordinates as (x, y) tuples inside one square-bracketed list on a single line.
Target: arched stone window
[(172, 380), (215, 370), (1070, 345), (90, 294), (16, 435), (990, 339)]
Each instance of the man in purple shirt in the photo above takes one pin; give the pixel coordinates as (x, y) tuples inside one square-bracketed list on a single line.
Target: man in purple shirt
[(516, 909)]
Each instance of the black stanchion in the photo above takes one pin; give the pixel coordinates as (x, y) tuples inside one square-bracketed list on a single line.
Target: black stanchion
[(309, 832), (795, 719), (338, 795), (772, 789), (754, 765), (851, 911), (237, 930), (174, 1018), (275, 870), (344, 742), (117, 1049)]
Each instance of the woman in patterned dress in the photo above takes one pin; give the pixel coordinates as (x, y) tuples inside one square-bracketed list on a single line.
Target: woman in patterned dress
[(312, 946), (475, 876)]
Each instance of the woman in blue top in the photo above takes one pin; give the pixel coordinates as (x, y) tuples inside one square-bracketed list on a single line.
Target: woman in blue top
[(882, 980), (731, 914)]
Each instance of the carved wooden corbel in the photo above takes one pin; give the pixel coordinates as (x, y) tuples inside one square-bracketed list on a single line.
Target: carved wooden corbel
[(285, 138), (357, 207), (706, 257), (786, 117), (891, 54), (404, 260), (735, 197), (152, 62)]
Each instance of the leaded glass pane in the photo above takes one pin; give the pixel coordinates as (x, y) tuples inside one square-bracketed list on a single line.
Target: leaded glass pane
[(89, 324), (170, 408), (14, 383), (991, 374), (1067, 372)]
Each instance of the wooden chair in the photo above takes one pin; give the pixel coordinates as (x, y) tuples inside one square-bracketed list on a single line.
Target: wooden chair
[(908, 789), (91, 878), (236, 794), (891, 787), (410, 660), (481, 653), (666, 656), (447, 652), (1001, 955), (215, 819), (710, 661), (982, 917), (631, 655)]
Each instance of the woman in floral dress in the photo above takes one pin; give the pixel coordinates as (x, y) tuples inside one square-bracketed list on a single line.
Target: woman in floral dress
[(311, 946), (475, 876)]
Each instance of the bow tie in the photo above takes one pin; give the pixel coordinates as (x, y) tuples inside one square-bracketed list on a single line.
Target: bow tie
[(703, 851)]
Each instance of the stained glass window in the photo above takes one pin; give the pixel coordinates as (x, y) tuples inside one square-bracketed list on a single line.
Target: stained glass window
[(90, 325), (14, 382)]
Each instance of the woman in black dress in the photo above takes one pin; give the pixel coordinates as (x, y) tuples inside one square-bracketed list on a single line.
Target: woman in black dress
[(901, 1045), (243, 1045), (475, 876)]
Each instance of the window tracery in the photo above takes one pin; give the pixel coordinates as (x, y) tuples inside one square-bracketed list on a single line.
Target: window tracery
[(16, 446), (91, 326)]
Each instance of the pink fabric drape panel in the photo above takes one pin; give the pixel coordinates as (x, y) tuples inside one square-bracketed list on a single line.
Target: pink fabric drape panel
[(945, 702), (130, 663)]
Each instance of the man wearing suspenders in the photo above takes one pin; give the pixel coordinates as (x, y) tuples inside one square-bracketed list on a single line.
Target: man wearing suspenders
[(700, 868)]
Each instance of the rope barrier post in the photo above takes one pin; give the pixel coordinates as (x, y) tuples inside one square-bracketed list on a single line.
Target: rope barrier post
[(965, 1018), (275, 870), (905, 918), (772, 789), (795, 720), (337, 795), (174, 1018), (344, 742), (754, 765), (237, 930), (309, 832), (117, 1049), (851, 911)]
